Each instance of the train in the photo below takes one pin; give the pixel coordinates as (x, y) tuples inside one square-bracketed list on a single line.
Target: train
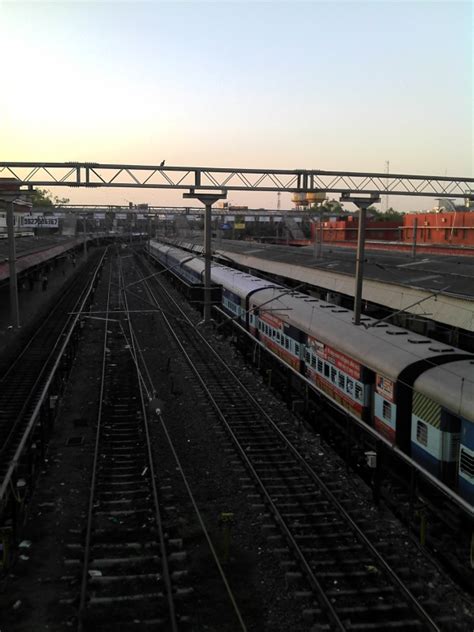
[(415, 392)]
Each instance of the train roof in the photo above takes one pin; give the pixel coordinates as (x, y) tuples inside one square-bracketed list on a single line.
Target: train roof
[(457, 379), (238, 282), (382, 347)]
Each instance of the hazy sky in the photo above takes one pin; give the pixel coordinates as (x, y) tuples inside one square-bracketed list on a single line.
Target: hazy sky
[(329, 85)]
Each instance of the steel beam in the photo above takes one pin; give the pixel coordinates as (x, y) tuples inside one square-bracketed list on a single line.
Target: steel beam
[(95, 175)]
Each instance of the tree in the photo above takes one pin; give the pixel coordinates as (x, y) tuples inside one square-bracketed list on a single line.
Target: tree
[(43, 198), (390, 215)]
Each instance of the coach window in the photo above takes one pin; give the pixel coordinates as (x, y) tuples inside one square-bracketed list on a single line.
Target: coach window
[(387, 410), (422, 433), (350, 386), (466, 463)]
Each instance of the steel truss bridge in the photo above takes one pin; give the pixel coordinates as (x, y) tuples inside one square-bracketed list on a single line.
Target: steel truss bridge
[(219, 179)]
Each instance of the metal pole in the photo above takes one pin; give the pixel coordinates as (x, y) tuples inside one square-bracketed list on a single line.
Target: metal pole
[(415, 229), (320, 244), (14, 306), (207, 263), (208, 199), (359, 264), (85, 236)]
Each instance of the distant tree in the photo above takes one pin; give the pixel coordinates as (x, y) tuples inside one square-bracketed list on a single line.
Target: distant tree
[(333, 207), (390, 215), (43, 197)]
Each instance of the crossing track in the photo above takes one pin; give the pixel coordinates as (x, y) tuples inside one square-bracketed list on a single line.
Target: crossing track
[(350, 584), (128, 575), (24, 384)]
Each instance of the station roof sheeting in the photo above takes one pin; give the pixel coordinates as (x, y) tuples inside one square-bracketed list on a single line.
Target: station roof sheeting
[(42, 252)]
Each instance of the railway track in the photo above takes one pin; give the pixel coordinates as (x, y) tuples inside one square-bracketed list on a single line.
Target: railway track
[(347, 582), (131, 566), (22, 383)]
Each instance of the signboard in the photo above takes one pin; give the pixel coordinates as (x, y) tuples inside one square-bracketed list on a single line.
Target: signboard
[(40, 221), (338, 359), (99, 215), (141, 216), (240, 225), (263, 218), (121, 215), (249, 218)]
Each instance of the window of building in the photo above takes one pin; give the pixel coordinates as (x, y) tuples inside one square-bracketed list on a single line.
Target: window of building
[(387, 410), (422, 433), (333, 375), (326, 369), (359, 392), (297, 349), (307, 357), (313, 362), (320, 365), (341, 381)]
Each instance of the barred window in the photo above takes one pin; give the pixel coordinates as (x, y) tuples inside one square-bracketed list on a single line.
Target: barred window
[(387, 410), (466, 463), (422, 433)]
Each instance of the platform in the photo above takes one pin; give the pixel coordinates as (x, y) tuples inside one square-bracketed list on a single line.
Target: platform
[(33, 251), (444, 284)]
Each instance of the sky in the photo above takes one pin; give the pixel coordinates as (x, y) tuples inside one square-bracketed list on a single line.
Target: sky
[(312, 85)]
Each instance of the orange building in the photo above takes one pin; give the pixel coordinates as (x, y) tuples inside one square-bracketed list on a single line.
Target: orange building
[(455, 227)]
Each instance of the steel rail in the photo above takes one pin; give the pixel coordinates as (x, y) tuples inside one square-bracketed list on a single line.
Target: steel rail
[(90, 509), (181, 469), (159, 522), (39, 330), (13, 463), (312, 474)]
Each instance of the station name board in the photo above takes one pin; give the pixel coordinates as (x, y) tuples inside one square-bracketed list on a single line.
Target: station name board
[(40, 221)]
